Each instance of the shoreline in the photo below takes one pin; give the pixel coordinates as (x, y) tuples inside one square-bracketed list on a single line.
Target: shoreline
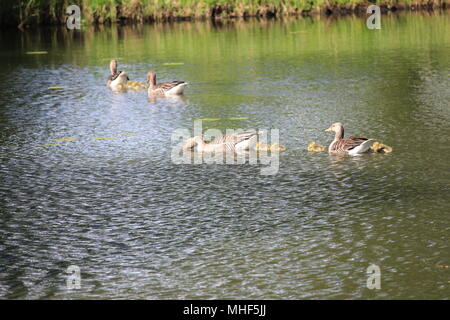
[(27, 13)]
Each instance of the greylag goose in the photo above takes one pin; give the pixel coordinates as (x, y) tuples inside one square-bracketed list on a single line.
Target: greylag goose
[(164, 88), (350, 145), (118, 79), (236, 142)]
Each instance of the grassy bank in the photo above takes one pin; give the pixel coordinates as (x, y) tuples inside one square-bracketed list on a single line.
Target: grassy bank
[(26, 12)]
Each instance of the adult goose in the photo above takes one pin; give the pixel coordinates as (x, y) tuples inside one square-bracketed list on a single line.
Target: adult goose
[(236, 142), (118, 79), (164, 88), (350, 145)]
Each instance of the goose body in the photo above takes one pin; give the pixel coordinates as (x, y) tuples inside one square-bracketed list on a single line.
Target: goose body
[(236, 142), (164, 88), (314, 147), (136, 85), (350, 145), (118, 79)]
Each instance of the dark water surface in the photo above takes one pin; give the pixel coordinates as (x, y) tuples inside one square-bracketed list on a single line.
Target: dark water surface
[(141, 227)]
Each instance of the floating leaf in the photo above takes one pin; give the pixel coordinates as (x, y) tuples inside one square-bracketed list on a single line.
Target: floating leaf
[(45, 145), (65, 139), (105, 138), (37, 52), (173, 63), (241, 118), (209, 119), (55, 88), (130, 134)]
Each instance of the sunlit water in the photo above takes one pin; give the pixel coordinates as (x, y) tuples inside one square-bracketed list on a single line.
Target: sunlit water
[(141, 227)]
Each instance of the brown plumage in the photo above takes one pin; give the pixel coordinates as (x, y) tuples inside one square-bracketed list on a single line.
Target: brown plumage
[(233, 142), (350, 145), (164, 88), (117, 79), (113, 70), (234, 138)]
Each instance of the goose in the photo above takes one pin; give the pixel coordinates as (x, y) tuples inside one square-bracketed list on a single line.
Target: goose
[(118, 79), (274, 147), (236, 142), (164, 88), (136, 85), (351, 145), (314, 147)]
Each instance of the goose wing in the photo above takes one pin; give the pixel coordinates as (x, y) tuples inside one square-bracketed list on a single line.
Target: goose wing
[(234, 138), (347, 144), (241, 140), (166, 86)]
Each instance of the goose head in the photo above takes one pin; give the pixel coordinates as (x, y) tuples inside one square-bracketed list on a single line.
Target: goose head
[(338, 129), (335, 127), (192, 142), (113, 67)]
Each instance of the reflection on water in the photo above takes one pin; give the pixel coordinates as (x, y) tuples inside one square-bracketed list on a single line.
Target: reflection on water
[(168, 99), (87, 178)]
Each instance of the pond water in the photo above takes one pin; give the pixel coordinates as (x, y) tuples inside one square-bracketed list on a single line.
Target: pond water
[(87, 177)]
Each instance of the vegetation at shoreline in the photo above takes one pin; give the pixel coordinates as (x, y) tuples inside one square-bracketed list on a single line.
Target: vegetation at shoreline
[(23, 12)]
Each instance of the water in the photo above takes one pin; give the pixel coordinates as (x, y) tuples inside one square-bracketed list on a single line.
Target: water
[(141, 227)]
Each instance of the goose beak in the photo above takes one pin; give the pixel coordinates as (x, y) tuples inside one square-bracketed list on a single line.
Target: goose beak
[(328, 130)]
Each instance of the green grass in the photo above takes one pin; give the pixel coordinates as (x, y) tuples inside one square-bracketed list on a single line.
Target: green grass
[(110, 11)]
